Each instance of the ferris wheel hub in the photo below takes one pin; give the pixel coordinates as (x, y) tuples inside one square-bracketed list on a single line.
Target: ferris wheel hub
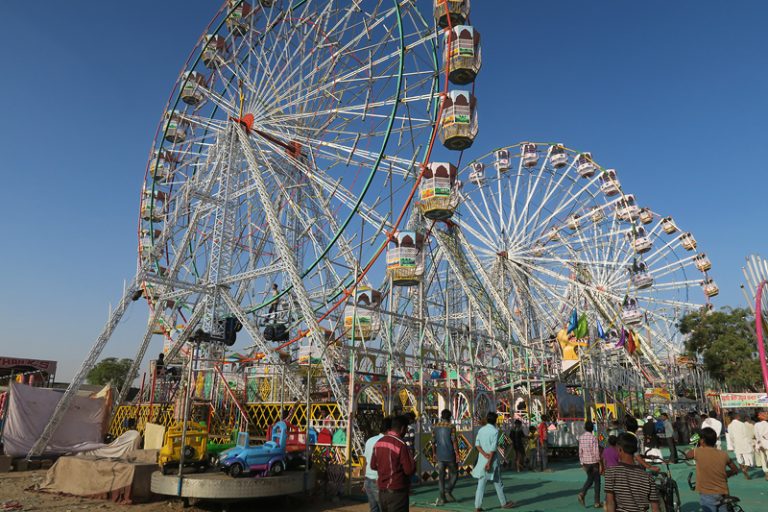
[(246, 122)]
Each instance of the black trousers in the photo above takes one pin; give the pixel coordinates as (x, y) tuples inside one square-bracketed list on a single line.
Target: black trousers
[(393, 501), (593, 477)]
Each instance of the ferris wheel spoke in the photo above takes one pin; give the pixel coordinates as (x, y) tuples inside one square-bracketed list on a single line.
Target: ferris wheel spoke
[(482, 222), (552, 186), (305, 93)]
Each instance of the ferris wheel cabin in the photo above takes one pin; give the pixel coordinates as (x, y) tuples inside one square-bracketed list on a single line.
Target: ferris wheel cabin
[(455, 10), (710, 288), (688, 241), (162, 165), (609, 183), (529, 154), (405, 260), (193, 88), (238, 20), (597, 214), (176, 128), (702, 262), (458, 127), (462, 54), (557, 156), (215, 51), (640, 241), (668, 225), (585, 166), (439, 191), (627, 209), (641, 279), (630, 313), (553, 234), (477, 175), (363, 314), (573, 222), (147, 240), (646, 216), (153, 205), (501, 161)]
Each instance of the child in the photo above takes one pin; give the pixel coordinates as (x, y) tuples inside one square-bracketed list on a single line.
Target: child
[(531, 447), (611, 453)]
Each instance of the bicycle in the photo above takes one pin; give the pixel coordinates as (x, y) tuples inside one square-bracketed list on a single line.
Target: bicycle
[(731, 503), (666, 485)]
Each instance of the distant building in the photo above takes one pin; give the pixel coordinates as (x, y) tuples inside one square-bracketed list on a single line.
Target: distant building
[(35, 372)]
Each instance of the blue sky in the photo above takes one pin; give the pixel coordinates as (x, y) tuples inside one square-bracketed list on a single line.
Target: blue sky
[(671, 94)]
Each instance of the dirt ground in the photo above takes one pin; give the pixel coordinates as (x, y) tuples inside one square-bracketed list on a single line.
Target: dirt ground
[(13, 488)]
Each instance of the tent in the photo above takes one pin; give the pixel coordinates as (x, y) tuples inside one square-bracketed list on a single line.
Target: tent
[(30, 408)]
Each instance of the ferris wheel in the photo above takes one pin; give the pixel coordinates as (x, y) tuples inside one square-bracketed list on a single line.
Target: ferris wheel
[(553, 232), (288, 138), (287, 118)]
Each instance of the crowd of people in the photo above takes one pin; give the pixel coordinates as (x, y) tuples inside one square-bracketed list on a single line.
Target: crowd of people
[(626, 462), (390, 462)]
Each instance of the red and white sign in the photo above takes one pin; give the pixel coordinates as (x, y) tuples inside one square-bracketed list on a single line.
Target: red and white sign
[(40, 364)]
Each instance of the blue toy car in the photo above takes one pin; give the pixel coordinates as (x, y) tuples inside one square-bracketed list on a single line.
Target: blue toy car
[(260, 460)]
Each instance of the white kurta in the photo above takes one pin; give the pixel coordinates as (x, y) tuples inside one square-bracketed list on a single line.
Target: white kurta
[(742, 437)]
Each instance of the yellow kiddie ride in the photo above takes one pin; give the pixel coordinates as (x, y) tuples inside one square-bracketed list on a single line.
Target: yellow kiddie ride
[(195, 449)]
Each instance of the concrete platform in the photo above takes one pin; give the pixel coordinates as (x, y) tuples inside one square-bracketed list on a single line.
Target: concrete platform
[(219, 486)]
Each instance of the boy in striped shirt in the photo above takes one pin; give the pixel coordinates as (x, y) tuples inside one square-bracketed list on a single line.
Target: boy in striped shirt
[(628, 488)]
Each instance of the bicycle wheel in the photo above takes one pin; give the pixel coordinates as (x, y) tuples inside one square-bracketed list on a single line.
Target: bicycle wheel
[(673, 496)]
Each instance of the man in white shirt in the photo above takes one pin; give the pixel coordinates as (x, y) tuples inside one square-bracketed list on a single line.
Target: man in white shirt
[(713, 423), (761, 439), (741, 440), (371, 476)]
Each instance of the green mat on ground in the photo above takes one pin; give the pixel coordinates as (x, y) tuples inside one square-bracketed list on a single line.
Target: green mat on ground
[(544, 492)]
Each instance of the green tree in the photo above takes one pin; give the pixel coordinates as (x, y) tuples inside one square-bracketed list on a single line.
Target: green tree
[(110, 370), (726, 340)]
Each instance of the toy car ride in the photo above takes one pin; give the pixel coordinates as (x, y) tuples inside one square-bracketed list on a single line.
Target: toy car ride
[(259, 460), (195, 452), (295, 444)]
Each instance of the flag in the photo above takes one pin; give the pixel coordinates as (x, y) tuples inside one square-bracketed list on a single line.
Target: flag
[(574, 322), (631, 347), (622, 339), (600, 331), (582, 329)]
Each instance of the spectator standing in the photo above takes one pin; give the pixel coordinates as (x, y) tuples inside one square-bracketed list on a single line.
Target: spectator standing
[(518, 443), (668, 436), (611, 453), (532, 447), (393, 461), (487, 468), (589, 457), (713, 468), (741, 438), (628, 488), (761, 440), (445, 450), (678, 426), (542, 443), (712, 422), (371, 476), (649, 433)]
